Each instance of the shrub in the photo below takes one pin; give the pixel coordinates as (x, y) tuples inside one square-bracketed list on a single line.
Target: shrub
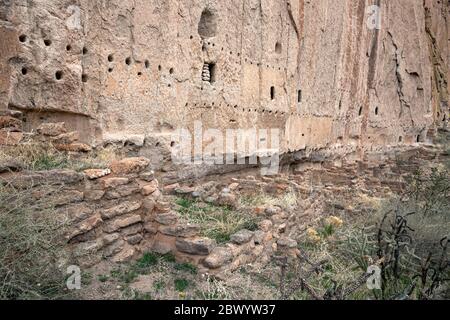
[(31, 247)]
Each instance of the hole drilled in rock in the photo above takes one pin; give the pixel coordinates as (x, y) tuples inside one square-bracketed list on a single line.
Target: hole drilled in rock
[(22, 38), (111, 58), (147, 64), (48, 42), (272, 93), (59, 75), (24, 71), (278, 47), (84, 78), (128, 61), (68, 47), (85, 50)]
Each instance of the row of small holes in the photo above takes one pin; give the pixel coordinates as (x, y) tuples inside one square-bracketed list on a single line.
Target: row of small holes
[(282, 113), (247, 60)]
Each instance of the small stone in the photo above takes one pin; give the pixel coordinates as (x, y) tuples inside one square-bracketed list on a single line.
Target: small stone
[(211, 200), (196, 194), (10, 165), (149, 204), (52, 129), (226, 190), (161, 247), (129, 165), (113, 182), (73, 147), (133, 229), (150, 188), (10, 138), (162, 207), (150, 228), (184, 230), (93, 174), (168, 218), (93, 195), (69, 196), (218, 257), (184, 190), (125, 255), (10, 123), (196, 246), (170, 189), (265, 225), (147, 176), (234, 186), (287, 243), (227, 199), (135, 239), (270, 211), (128, 221), (114, 248), (110, 238), (122, 191), (85, 226), (242, 236), (66, 138), (123, 208), (258, 237)]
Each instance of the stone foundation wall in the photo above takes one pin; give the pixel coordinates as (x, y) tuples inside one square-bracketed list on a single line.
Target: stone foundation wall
[(119, 213)]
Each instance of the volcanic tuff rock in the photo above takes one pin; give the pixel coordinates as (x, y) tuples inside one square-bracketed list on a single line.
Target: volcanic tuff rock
[(134, 71)]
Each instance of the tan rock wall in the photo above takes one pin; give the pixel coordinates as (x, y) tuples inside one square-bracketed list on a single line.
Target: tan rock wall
[(120, 68)]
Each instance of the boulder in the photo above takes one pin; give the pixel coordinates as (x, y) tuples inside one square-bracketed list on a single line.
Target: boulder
[(93, 174), (196, 246), (122, 208), (242, 236), (219, 256), (167, 219), (181, 230), (129, 165), (113, 182), (150, 188)]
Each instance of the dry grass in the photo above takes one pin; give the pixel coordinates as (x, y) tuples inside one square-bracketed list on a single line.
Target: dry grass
[(31, 247), (287, 201), (216, 222), (38, 156)]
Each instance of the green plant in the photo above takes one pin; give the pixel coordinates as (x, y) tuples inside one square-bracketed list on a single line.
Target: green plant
[(146, 261), (102, 277), (216, 222), (159, 285), (125, 275), (186, 267), (181, 284)]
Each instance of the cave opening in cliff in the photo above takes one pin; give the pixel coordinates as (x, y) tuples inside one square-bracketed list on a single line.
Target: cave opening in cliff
[(207, 26), (272, 93), (278, 47)]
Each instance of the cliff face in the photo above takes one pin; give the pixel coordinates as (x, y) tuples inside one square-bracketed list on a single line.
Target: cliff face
[(320, 71)]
